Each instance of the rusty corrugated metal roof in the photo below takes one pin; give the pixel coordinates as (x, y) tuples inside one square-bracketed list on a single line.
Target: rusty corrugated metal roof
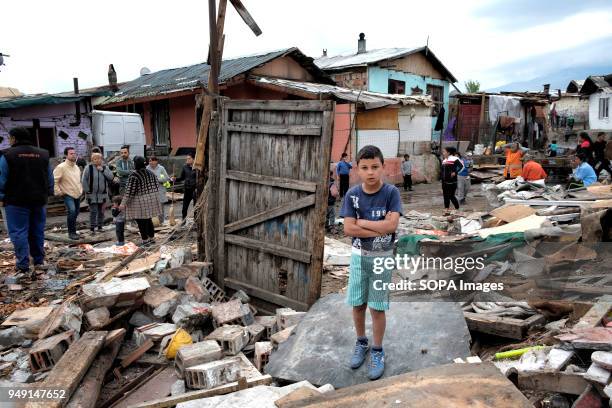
[(196, 76)]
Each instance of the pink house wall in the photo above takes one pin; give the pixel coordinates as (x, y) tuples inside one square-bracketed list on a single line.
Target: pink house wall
[(342, 128), (183, 121)]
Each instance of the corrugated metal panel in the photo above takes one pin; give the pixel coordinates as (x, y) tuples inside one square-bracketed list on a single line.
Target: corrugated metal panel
[(370, 100), (192, 77), (369, 57)]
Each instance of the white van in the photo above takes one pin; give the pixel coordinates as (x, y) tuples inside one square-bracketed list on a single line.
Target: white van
[(111, 130)]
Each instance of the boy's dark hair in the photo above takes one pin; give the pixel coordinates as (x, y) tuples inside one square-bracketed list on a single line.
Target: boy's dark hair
[(601, 134), (127, 147), (451, 150), (582, 157), (344, 155), (406, 156), (370, 152), (21, 134), (117, 199), (96, 150), (153, 158), (66, 150), (554, 142)]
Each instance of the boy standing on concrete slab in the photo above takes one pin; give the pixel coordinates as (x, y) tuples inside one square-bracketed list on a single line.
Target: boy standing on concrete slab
[(371, 213)]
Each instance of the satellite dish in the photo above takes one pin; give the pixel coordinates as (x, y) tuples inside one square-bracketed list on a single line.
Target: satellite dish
[(1, 59), (144, 71)]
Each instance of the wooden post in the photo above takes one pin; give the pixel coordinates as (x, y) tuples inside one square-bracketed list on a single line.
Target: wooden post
[(481, 121)]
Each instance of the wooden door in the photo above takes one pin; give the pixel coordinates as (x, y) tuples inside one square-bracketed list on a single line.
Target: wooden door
[(469, 121), (274, 172)]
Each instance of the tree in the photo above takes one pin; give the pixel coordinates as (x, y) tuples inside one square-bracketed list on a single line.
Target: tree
[(472, 86)]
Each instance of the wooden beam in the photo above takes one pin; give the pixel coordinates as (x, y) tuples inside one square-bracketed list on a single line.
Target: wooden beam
[(263, 216), (274, 249), (246, 16), (318, 245), (279, 105), (274, 298), (136, 354), (297, 130), (71, 368), (272, 181), (553, 381), (89, 389), (193, 395)]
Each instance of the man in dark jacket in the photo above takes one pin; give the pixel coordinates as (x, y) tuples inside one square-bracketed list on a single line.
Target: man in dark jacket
[(188, 175), (26, 180)]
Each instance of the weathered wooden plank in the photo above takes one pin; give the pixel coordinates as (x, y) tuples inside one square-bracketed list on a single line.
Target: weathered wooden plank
[(296, 130), (318, 224), (500, 326), (281, 182), (70, 369), (279, 105), (553, 381), (220, 263), (246, 16), (268, 247), (451, 385), (269, 214), (266, 295), (193, 395), (594, 316), (89, 389)]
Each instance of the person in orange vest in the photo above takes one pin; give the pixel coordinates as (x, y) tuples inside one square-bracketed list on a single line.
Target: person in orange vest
[(514, 164), (532, 170)]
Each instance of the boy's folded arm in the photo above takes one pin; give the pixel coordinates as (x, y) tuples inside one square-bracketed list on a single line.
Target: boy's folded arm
[(386, 226), (352, 229)]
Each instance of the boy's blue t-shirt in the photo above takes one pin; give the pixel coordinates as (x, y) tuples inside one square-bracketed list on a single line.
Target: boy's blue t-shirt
[(373, 207), (343, 168)]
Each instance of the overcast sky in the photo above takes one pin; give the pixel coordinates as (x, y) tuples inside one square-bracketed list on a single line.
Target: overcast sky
[(495, 42)]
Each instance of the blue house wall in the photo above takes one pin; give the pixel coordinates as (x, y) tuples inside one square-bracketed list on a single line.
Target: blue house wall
[(378, 81)]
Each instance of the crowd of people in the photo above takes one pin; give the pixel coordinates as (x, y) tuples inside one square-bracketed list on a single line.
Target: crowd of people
[(134, 191)]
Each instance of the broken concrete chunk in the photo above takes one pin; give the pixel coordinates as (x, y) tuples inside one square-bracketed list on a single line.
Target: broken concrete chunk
[(176, 277), (262, 354), (47, 352), (196, 354), (473, 359), (31, 319), (213, 374), (12, 336), (194, 287), (140, 319), (97, 318), (154, 332), (603, 359), (558, 358), (192, 314), (232, 312), (269, 322), (22, 376), (242, 296), (256, 332), (288, 318), (282, 336), (216, 293), (177, 388), (232, 338), (180, 256), (117, 292), (597, 374)]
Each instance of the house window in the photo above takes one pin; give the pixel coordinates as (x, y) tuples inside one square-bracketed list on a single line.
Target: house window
[(604, 105), (396, 87), (437, 97), (160, 118)]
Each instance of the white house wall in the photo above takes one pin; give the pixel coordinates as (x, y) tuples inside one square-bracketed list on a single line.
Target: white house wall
[(594, 121)]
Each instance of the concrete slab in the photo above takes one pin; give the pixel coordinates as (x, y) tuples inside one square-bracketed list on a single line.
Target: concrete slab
[(418, 335)]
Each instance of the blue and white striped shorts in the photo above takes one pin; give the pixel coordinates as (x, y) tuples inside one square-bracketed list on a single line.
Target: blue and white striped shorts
[(366, 286)]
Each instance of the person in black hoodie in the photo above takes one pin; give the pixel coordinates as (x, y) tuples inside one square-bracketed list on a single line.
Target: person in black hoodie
[(188, 175), (26, 182), (451, 166)]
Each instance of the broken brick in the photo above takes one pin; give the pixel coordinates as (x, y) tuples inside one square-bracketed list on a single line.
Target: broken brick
[(232, 338), (232, 312), (262, 353), (194, 287), (213, 374), (45, 353), (196, 354)]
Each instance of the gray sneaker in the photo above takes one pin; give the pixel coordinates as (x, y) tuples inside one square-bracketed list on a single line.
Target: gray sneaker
[(377, 364), (359, 354)]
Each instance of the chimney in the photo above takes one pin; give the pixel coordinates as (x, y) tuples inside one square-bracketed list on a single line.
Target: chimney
[(546, 89), (112, 78), (361, 44), (324, 52)]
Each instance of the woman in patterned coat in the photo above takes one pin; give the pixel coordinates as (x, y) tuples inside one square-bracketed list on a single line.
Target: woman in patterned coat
[(141, 200)]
